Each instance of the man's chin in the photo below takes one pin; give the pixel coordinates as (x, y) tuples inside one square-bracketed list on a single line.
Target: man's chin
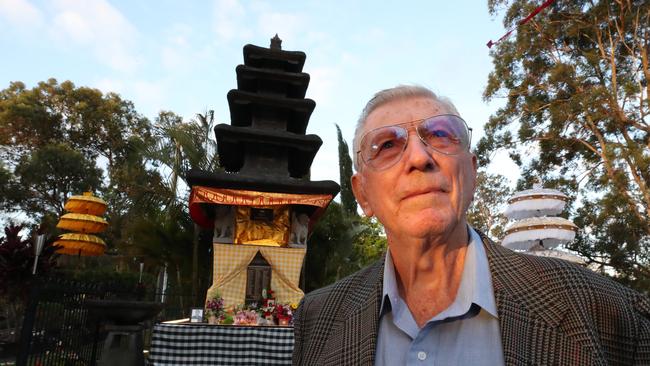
[(427, 226)]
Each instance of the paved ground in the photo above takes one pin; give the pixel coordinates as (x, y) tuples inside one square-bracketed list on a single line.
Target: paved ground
[(7, 354)]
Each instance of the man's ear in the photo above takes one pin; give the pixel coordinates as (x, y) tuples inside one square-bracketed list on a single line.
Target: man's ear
[(360, 194), (475, 165), (474, 181)]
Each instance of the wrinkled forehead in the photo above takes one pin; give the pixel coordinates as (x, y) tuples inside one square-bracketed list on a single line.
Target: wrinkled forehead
[(403, 110)]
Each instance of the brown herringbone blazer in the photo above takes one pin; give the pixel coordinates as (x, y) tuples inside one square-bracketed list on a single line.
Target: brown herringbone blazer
[(551, 312)]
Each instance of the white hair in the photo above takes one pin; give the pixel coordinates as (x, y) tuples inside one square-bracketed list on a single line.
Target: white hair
[(388, 95)]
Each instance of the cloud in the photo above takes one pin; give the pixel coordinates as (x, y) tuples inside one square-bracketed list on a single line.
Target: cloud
[(152, 94), (173, 57), (285, 25), (229, 20), (21, 14), (370, 35), (99, 26), (235, 21), (322, 84), (149, 97), (110, 85), (175, 54)]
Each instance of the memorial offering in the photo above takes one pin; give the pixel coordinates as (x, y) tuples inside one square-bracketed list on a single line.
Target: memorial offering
[(267, 312)]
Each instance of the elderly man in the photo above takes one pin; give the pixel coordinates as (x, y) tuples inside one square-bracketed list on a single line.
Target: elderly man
[(445, 294)]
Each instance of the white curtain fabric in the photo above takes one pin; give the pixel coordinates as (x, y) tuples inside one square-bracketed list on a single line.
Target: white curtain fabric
[(552, 253), (526, 239), (534, 208)]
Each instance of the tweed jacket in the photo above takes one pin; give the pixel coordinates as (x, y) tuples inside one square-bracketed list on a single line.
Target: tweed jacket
[(551, 312)]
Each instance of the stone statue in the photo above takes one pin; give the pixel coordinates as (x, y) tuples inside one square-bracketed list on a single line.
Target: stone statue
[(223, 224), (299, 229)]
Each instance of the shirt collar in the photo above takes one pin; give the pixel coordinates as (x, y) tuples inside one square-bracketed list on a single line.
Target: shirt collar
[(475, 286)]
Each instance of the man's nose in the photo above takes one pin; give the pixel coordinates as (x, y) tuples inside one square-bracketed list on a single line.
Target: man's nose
[(417, 155)]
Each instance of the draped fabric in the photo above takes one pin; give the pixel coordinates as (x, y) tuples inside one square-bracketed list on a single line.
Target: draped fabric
[(203, 344), (272, 232), (236, 197), (230, 271), (286, 264)]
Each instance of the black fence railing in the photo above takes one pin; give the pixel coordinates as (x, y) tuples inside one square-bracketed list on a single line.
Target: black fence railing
[(58, 329)]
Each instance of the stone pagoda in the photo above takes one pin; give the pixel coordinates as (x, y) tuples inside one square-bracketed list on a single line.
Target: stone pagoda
[(262, 205)]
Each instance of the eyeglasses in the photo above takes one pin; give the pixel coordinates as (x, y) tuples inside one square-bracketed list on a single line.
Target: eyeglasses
[(383, 147)]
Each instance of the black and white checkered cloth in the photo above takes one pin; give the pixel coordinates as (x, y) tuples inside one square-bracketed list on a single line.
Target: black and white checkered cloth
[(202, 344)]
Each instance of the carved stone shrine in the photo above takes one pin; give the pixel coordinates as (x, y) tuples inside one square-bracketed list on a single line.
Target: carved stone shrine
[(262, 205)]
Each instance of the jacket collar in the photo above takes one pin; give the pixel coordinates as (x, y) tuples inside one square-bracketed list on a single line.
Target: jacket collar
[(515, 280), (357, 321), (529, 314)]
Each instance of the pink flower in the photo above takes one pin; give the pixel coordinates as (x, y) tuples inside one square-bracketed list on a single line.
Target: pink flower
[(246, 317)]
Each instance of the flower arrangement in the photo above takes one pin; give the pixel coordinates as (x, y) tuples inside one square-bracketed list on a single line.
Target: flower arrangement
[(246, 317), (267, 309), (284, 314), (268, 312), (214, 309), (268, 294)]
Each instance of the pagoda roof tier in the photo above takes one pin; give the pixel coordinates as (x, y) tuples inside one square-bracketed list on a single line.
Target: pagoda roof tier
[(262, 183), (234, 144), (291, 61), (269, 112), (274, 82)]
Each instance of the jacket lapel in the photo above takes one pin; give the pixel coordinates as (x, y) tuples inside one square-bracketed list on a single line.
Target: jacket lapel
[(530, 315), (354, 337)]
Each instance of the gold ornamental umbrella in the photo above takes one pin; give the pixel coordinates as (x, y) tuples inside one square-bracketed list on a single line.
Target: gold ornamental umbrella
[(82, 223), (80, 244), (86, 204)]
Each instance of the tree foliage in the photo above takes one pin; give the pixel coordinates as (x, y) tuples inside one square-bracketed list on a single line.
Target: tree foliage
[(345, 174), (490, 198), (10, 190), (93, 123), (181, 147), (57, 139), (330, 248), (51, 174), (370, 242), (102, 131), (341, 244), (575, 83), (17, 259)]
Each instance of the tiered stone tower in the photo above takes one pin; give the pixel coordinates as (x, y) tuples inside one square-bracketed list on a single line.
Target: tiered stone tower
[(262, 205)]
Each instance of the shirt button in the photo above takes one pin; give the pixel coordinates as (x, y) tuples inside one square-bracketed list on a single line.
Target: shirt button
[(422, 356)]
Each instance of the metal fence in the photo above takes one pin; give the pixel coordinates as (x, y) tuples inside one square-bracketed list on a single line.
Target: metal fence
[(58, 329)]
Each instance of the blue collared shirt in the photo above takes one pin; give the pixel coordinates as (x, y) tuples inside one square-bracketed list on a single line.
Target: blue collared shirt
[(466, 333)]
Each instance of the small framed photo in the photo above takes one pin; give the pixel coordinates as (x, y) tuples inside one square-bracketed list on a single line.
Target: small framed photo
[(197, 315)]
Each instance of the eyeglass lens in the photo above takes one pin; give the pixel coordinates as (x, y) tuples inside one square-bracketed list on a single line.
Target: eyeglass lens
[(384, 146)]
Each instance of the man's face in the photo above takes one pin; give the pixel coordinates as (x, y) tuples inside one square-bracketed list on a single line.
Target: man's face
[(426, 192)]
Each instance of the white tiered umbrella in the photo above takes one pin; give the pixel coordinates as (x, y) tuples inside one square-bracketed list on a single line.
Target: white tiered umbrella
[(547, 232), (553, 253), (535, 202)]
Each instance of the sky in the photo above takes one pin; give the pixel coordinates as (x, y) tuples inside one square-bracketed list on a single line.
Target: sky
[(181, 55)]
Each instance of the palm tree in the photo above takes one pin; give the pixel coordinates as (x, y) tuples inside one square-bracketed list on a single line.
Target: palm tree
[(180, 148)]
